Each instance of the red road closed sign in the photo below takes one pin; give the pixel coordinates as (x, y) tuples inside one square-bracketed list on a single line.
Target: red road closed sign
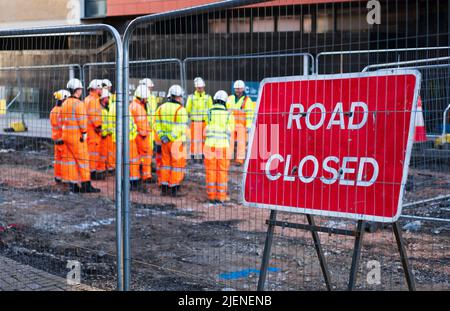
[(334, 145)]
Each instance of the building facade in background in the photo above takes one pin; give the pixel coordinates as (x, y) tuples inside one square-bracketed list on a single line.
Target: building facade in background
[(40, 13)]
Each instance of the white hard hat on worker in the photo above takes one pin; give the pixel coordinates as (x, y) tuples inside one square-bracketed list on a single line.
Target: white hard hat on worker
[(74, 84), (221, 96), (199, 83), (141, 92), (147, 82), (95, 84)]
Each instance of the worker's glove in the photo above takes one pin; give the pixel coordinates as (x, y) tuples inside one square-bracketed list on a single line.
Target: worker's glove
[(83, 138), (143, 136), (59, 142), (165, 139)]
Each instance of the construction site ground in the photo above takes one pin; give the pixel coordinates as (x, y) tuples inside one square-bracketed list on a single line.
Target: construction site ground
[(186, 243)]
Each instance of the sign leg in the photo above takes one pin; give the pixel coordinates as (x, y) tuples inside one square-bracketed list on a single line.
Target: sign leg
[(403, 256), (267, 249), (318, 246), (356, 254)]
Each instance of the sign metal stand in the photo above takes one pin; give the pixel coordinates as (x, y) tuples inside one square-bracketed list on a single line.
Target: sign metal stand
[(358, 233)]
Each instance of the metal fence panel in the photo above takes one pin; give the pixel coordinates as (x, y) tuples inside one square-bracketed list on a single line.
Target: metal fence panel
[(51, 238), (187, 242)]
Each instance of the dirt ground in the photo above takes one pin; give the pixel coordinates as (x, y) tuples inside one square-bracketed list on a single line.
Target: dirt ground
[(188, 244)]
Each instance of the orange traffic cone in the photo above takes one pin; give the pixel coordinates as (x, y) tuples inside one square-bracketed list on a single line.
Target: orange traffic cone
[(420, 134)]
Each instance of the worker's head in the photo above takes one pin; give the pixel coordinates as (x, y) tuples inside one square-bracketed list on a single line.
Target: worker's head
[(239, 88), (61, 96), (104, 97), (142, 93), (147, 83), (106, 84), (96, 86), (199, 85), (221, 97), (75, 88), (176, 93)]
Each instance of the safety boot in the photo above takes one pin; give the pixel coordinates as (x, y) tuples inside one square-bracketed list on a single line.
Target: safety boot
[(86, 187), (135, 185), (74, 188), (164, 190)]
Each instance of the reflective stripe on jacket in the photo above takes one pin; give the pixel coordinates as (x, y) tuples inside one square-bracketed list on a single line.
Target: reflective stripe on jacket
[(171, 121), (139, 114), (56, 122), (74, 119), (197, 106), (243, 109), (219, 127)]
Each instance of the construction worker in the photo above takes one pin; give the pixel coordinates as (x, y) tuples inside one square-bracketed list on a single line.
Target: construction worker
[(151, 107), (219, 128), (171, 126), (243, 109), (111, 128), (197, 107), (75, 168), (106, 163), (94, 113), (138, 108), (56, 124), (133, 154)]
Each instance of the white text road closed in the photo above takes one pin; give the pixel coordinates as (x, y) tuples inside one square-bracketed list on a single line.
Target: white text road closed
[(341, 144)]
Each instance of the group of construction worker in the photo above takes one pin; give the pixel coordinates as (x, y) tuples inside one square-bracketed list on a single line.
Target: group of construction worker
[(84, 135)]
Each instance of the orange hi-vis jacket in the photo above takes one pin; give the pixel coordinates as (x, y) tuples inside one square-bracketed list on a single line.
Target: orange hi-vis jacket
[(56, 122), (74, 119), (139, 115), (94, 114)]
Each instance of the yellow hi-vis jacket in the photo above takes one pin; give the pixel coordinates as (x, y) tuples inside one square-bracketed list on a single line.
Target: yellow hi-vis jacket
[(106, 122), (243, 110), (151, 106), (219, 126), (133, 127), (171, 121), (197, 106)]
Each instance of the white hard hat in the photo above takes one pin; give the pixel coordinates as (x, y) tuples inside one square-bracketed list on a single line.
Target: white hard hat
[(221, 95), (106, 83), (74, 84), (105, 94), (175, 90), (95, 84), (61, 94), (199, 82), (239, 84), (141, 92), (147, 82)]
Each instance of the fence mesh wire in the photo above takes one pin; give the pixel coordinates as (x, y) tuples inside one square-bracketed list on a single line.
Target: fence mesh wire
[(44, 225), (187, 242)]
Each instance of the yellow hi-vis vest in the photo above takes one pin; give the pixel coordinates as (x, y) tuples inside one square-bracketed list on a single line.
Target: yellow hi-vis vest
[(197, 106), (171, 121), (219, 127), (106, 120), (243, 110), (133, 127)]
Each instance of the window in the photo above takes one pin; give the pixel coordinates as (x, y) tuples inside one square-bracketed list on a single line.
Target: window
[(263, 24), (94, 8), (307, 23), (324, 23), (239, 25), (289, 23), (217, 25)]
